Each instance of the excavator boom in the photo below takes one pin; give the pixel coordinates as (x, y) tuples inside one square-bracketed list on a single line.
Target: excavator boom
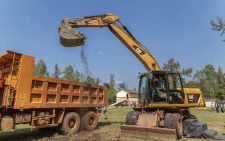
[(71, 38)]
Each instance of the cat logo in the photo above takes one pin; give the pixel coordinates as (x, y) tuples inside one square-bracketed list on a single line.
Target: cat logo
[(139, 50)]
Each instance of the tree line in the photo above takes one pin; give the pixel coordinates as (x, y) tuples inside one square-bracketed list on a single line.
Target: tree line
[(210, 80), (70, 74)]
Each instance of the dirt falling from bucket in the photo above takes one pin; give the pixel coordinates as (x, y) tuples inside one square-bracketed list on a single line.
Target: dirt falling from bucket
[(85, 62)]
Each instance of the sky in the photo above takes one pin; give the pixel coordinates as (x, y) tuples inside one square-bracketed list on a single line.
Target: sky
[(177, 29)]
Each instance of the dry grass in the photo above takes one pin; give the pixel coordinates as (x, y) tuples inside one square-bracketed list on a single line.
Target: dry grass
[(110, 128)]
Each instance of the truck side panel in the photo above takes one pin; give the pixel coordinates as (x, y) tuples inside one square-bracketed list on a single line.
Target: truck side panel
[(55, 93), (22, 90), (24, 78)]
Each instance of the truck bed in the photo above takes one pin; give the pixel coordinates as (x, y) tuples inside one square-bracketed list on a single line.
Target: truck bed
[(22, 90)]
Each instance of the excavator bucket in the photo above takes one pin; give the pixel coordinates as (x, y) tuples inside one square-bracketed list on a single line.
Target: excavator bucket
[(147, 133), (70, 38)]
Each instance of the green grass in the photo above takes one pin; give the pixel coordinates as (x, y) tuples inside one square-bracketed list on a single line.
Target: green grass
[(214, 120), (110, 128)]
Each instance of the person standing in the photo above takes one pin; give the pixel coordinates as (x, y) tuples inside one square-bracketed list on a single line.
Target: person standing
[(104, 111)]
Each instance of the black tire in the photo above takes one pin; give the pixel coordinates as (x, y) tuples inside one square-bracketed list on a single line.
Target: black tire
[(71, 123), (128, 118), (187, 115), (132, 117), (89, 121), (177, 123), (168, 120)]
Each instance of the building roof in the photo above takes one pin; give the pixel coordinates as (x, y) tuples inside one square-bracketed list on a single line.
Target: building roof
[(129, 91)]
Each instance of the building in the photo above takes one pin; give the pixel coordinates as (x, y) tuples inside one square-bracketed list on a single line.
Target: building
[(131, 96)]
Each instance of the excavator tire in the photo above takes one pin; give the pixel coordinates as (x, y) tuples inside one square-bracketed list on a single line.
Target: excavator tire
[(188, 115), (90, 120), (128, 118), (132, 118), (168, 120), (177, 124)]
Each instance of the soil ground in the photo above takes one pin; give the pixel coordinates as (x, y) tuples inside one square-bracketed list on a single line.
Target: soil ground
[(108, 129)]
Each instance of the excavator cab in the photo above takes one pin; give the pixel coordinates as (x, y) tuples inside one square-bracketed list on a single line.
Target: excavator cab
[(161, 87)]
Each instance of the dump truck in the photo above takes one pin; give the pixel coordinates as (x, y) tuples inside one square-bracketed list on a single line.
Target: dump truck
[(163, 101), (45, 102)]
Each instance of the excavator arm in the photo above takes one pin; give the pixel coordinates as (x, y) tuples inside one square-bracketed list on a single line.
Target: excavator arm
[(71, 38)]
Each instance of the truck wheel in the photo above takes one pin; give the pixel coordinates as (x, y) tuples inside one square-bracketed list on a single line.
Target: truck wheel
[(90, 120), (7, 124), (71, 123), (178, 125), (168, 120), (132, 118)]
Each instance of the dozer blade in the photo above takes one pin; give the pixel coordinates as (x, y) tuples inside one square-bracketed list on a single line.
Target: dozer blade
[(70, 38), (146, 133)]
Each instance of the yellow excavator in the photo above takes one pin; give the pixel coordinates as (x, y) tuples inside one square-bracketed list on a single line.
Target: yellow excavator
[(163, 102)]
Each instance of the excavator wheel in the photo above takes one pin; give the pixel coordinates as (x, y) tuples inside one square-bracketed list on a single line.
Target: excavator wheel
[(177, 124), (168, 120), (132, 118)]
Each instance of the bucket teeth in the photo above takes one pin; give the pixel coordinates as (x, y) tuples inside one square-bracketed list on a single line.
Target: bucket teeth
[(70, 38)]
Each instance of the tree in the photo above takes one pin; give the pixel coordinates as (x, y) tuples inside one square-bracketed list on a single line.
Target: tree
[(173, 65), (90, 79), (112, 81), (76, 76), (218, 26), (210, 80), (68, 73), (41, 69), (97, 80), (220, 76), (122, 85), (112, 96), (192, 84), (82, 78), (220, 87), (112, 91), (57, 72)]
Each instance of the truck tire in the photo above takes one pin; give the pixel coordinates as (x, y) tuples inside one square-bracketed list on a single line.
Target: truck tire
[(177, 124), (7, 124), (90, 121), (132, 117), (71, 123), (168, 120)]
